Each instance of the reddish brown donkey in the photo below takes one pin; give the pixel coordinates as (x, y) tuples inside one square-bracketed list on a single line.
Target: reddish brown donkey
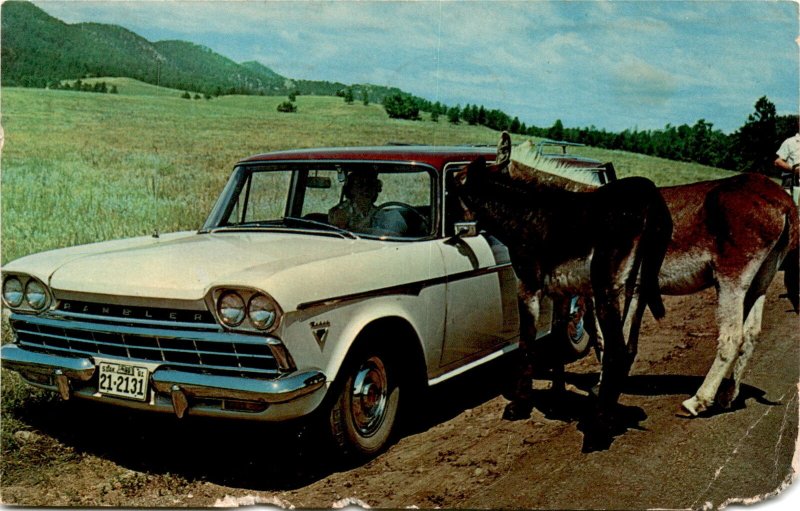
[(732, 234)]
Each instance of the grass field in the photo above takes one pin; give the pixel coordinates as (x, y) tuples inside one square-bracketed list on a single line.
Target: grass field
[(83, 167)]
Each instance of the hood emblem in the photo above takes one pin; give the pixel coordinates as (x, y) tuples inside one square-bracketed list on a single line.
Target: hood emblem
[(320, 331)]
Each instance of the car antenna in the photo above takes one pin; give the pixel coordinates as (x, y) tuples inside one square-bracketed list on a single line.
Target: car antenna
[(153, 180)]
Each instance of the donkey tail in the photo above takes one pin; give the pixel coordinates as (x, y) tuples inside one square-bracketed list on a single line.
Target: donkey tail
[(655, 239)]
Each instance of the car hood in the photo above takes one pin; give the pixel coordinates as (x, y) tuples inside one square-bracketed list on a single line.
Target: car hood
[(293, 268)]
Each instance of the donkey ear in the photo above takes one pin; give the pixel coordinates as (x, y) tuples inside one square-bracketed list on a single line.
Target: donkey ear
[(503, 150)]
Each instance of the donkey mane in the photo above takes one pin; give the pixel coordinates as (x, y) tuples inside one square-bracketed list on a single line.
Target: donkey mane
[(529, 161)]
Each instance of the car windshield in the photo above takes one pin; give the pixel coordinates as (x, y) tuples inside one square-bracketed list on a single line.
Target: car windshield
[(382, 200)]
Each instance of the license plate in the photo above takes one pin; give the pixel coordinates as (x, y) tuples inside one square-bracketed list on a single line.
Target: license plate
[(123, 380)]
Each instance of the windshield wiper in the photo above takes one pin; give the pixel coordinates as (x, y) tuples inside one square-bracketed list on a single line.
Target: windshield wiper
[(323, 225), (283, 224)]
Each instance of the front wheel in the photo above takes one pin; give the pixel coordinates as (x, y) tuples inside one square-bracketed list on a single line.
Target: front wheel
[(365, 411)]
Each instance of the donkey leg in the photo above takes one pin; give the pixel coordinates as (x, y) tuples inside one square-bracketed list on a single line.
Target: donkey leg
[(615, 358), (729, 389), (521, 404), (599, 347), (599, 434), (633, 309), (730, 311), (753, 312)]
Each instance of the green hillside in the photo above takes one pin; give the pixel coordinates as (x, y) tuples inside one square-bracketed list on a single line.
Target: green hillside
[(30, 37), (39, 50), (80, 167), (195, 67)]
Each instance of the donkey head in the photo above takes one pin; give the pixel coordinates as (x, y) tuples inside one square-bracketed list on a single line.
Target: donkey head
[(465, 182), (503, 152), (469, 181)]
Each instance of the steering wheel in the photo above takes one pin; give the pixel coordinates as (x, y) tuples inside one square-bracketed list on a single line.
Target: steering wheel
[(419, 224)]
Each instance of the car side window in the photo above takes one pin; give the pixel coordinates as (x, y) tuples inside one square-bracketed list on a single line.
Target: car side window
[(453, 212)]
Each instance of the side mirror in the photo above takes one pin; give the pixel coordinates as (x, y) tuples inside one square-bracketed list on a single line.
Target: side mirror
[(466, 229)]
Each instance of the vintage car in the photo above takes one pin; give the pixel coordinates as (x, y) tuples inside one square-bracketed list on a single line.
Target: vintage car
[(272, 310)]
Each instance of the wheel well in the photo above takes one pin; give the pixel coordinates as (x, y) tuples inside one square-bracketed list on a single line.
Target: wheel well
[(401, 341)]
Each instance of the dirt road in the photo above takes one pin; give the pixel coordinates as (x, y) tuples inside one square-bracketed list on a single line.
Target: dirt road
[(457, 453)]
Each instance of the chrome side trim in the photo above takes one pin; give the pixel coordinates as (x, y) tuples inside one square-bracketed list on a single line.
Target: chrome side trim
[(472, 365)]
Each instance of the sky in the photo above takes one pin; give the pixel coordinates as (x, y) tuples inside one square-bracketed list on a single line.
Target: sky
[(613, 65)]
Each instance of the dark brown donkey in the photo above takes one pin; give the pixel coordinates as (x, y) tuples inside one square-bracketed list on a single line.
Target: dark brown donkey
[(732, 234), (607, 244)]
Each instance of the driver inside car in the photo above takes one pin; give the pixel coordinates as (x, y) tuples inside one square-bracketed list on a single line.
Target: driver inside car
[(357, 212)]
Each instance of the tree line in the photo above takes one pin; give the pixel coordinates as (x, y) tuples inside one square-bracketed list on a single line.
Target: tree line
[(751, 148), (81, 86)]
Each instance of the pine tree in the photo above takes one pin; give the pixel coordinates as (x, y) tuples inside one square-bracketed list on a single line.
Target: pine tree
[(454, 115)]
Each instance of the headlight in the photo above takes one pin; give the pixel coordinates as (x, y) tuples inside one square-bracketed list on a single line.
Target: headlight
[(12, 292), (35, 294), (261, 311), (230, 308)]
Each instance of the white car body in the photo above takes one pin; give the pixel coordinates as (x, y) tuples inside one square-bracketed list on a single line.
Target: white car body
[(452, 299)]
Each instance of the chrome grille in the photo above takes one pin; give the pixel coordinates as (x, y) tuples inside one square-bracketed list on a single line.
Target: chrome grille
[(199, 348)]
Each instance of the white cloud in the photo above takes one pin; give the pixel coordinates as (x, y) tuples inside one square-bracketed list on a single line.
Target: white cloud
[(611, 63), (644, 82)]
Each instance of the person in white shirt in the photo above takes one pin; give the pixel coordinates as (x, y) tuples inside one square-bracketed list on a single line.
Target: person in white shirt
[(788, 161)]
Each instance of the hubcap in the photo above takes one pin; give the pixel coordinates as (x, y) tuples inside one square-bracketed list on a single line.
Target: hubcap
[(575, 329), (369, 396)]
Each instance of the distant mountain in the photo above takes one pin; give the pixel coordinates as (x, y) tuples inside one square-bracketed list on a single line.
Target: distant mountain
[(197, 68), (39, 50)]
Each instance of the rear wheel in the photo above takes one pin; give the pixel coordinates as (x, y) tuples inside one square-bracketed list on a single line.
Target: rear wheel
[(574, 333), (365, 411)]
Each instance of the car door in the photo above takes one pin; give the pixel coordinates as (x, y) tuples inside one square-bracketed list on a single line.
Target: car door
[(481, 300), (481, 292)]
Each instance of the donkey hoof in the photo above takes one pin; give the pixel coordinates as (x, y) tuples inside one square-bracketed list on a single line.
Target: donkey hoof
[(517, 410), (727, 394), (691, 407)]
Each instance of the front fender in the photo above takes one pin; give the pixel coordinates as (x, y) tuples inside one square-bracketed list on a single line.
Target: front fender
[(323, 338)]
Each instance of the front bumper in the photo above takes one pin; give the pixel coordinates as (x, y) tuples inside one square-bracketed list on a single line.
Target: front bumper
[(284, 397)]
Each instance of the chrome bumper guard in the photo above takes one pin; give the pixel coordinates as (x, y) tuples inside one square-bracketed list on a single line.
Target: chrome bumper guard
[(181, 386)]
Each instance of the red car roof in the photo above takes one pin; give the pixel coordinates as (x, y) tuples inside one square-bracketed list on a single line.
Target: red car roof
[(436, 156)]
